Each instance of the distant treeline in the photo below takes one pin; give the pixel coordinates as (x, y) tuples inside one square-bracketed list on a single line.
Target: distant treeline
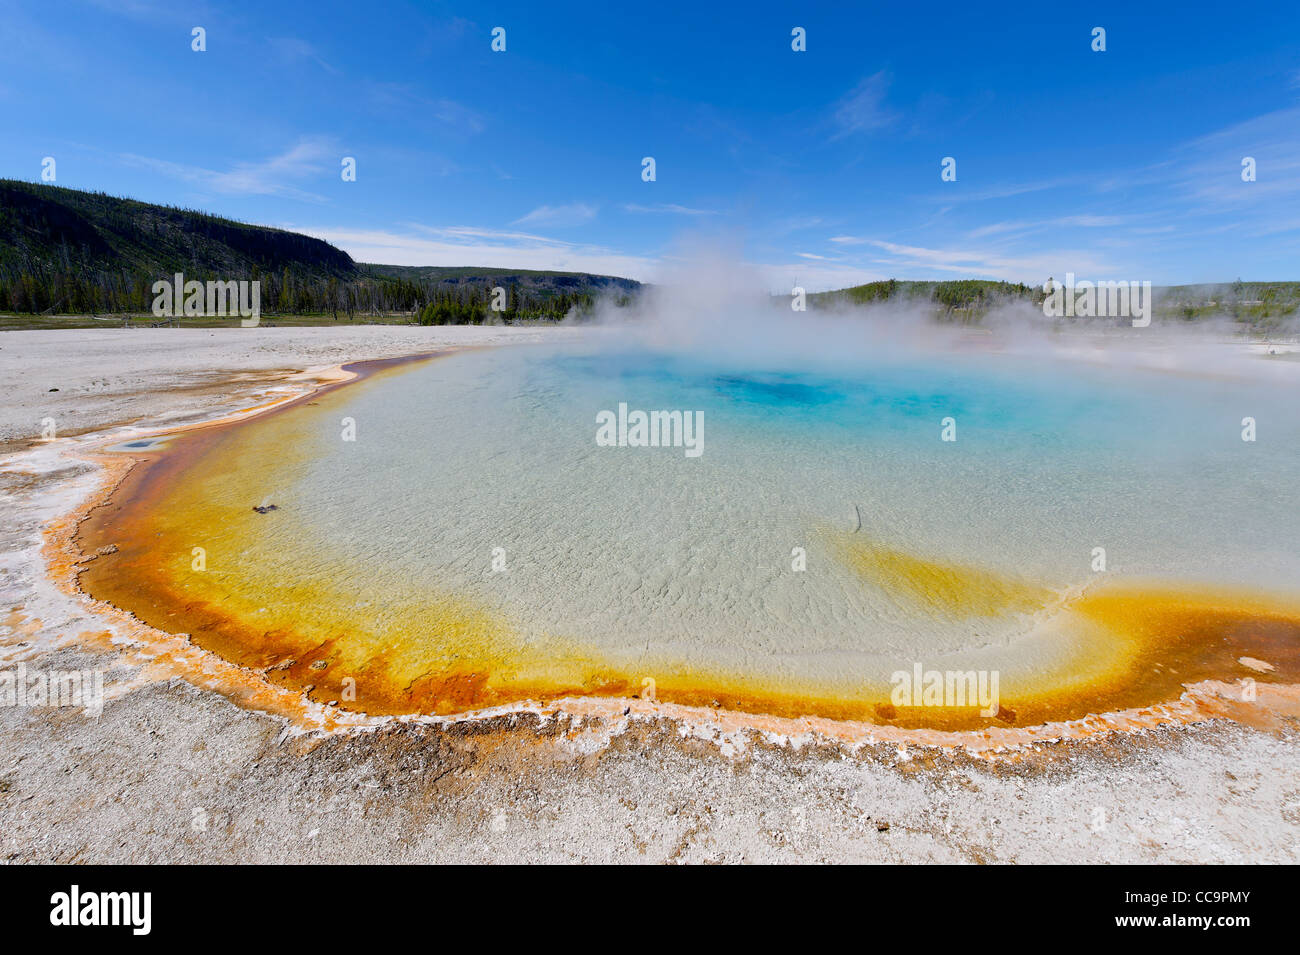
[(80, 291), (1264, 308), (963, 300), (73, 252), (472, 308), (429, 303), (1261, 308)]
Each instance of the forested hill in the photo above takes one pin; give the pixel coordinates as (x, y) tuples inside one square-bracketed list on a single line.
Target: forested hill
[(74, 252), (1260, 307)]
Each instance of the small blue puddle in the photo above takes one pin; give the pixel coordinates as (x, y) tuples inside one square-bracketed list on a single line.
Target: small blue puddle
[(138, 445)]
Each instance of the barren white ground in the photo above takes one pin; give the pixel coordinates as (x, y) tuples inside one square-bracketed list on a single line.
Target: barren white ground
[(171, 773)]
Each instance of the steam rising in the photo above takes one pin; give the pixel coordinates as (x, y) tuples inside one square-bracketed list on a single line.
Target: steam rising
[(714, 308)]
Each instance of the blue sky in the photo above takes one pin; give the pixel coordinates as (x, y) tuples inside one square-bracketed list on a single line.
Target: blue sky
[(821, 167)]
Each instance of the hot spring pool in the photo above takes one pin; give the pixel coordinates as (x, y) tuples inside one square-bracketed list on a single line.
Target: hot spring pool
[(450, 535)]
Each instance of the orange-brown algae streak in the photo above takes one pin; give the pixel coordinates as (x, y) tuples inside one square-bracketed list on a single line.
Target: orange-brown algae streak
[(1186, 636), (1173, 638), (1133, 645), (936, 586)]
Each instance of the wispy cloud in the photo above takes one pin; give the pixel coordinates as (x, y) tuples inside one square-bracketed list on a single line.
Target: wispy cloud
[(294, 49), (465, 233), (786, 226), (574, 213), (1009, 190), (1031, 267), (863, 109), (669, 207), (156, 11), (406, 100), (1209, 168), (470, 246), (782, 277), (1035, 225), (276, 176)]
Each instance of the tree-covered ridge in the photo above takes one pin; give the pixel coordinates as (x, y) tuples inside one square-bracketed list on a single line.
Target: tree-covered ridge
[(1260, 307), (74, 252), (953, 300), (461, 295)]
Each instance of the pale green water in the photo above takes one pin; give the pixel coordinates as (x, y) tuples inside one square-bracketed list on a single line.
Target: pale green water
[(647, 555)]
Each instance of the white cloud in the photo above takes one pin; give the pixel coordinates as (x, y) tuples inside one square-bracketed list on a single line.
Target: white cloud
[(781, 278), (1006, 190), (669, 207), (1079, 221), (574, 213), (269, 177), (156, 11), (473, 246), (467, 245), (1209, 168), (863, 108), (1031, 268), (407, 101), (294, 49)]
